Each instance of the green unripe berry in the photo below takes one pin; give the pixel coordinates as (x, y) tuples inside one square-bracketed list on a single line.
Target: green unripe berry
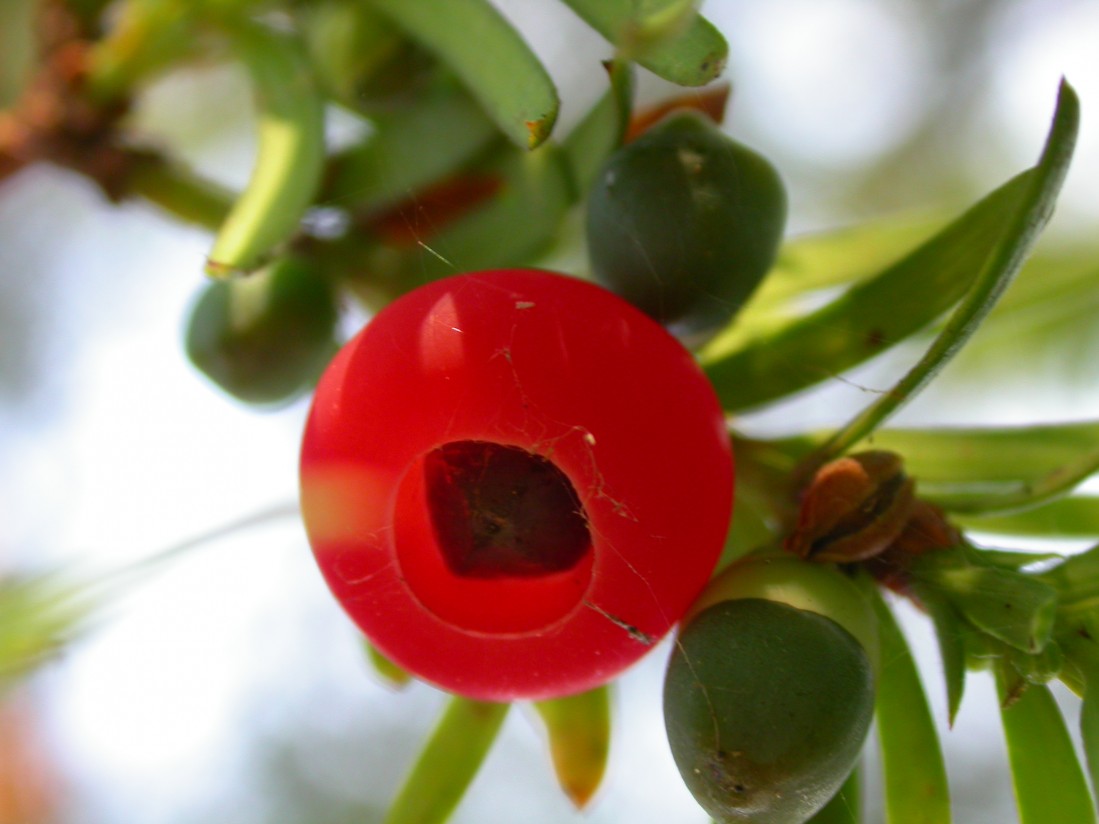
[(684, 222), (766, 707), (266, 337)]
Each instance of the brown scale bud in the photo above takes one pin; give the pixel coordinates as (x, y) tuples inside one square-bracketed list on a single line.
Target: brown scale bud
[(854, 508)]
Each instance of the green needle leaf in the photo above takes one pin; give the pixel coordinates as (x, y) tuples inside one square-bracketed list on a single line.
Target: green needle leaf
[(448, 763), (997, 271), (980, 470), (1017, 608), (39, 615), (839, 257), (846, 805), (579, 729), (1049, 782), (1074, 517), (409, 149), (667, 37), (491, 58), (389, 672), (751, 366), (916, 790), (290, 150), (950, 633), (519, 223), (602, 130), (1085, 656), (974, 257)]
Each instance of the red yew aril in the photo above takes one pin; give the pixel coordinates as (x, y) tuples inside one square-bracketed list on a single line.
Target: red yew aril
[(515, 483)]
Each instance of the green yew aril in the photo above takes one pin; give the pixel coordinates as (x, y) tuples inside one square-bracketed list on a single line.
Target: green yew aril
[(266, 337), (684, 222), (767, 704)]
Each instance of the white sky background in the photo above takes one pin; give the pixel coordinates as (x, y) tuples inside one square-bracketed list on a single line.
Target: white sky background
[(131, 451)]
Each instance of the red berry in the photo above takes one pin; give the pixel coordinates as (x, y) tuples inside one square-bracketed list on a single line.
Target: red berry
[(515, 483)]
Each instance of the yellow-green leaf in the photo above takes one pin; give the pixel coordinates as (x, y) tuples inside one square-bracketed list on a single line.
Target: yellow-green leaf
[(579, 729)]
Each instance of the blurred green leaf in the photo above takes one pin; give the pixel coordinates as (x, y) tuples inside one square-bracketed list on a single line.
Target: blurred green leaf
[(39, 615), (916, 790), (449, 762), (1014, 607), (1072, 517), (348, 43), (16, 48), (1040, 667), (490, 57), (950, 631), (815, 262), (667, 37), (602, 129), (290, 149), (408, 149), (982, 249), (980, 470), (389, 672), (1076, 580), (846, 805), (579, 729), (521, 222), (997, 271), (1045, 326), (1088, 665), (1049, 783), (754, 365)]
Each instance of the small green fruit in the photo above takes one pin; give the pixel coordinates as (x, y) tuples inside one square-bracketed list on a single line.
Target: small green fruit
[(684, 222), (266, 337), (767, 707)]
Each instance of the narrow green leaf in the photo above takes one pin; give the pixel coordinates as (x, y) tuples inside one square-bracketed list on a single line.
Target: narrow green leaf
[(449, 762), (579, 729), (602, 129), (491, 58), (916, 790), (1045, 322), (665, 36), (349, 45), (1049, 782), (1076, 581), (39, 615), (981, 470), (1040, 667), (290, 150), (408, 149), (840, 257), (1073, 517), (846, 805), (520, 223), (1089, 730), (1001, 265), (1084, 655), (750, 367), (1017, 608), (950, 632), (389, 672), (975, 256)]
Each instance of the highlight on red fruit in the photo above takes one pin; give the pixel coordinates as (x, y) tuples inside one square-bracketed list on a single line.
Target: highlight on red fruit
[(515, 483)]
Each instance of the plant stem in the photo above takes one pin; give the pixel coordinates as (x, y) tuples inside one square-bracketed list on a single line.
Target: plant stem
[(181, 192)]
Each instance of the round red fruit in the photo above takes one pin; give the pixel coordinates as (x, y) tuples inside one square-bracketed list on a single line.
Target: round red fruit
[(515, 483)]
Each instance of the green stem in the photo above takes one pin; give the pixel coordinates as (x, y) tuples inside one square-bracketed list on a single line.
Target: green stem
[(449, 762), (180, 192)]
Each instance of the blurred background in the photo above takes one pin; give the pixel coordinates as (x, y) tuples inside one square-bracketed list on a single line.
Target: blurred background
[(228, 686)]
